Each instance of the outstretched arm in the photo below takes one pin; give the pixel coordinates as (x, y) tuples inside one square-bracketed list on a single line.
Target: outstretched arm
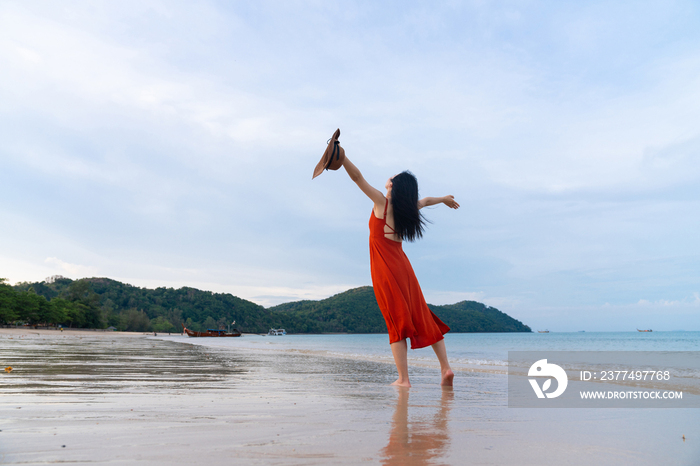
[(449, 201), (355, 175)]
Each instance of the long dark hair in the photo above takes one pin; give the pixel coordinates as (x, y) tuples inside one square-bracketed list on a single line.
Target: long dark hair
[(409, 223)]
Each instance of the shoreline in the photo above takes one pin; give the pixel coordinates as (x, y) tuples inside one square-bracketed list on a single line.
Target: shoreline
[(430, 363), (67, 331), (120, 399)]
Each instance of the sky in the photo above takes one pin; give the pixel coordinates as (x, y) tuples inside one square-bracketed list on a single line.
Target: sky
[(172, 143)]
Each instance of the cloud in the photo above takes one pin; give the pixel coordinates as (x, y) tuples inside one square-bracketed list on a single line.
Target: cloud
[(74, 270), (173, 143), (664, 303)]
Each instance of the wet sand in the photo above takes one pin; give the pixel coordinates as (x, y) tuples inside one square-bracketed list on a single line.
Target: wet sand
[(107, 397)]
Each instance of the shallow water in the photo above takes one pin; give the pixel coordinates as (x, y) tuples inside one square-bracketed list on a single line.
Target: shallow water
[(469, 348), (280, 400), (470, 352)]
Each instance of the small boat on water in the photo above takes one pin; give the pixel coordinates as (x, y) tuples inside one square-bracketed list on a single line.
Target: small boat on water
[(212, 333), (543, 331), (277, 332), (647, 330)]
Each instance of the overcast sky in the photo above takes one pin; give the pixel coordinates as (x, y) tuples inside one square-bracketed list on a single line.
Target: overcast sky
[(166, 143)]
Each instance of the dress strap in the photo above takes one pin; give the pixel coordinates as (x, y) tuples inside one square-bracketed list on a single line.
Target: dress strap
[(393, 232)]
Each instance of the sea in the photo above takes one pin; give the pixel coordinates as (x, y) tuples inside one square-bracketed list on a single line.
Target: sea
[(263, 399), (477, 352)]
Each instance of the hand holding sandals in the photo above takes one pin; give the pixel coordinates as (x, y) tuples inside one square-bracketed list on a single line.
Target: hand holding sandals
[(334, 158)]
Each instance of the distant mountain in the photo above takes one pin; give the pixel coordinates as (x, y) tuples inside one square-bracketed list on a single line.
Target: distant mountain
[(353, 311), (102, 302), (131, 308), (356, 311), (472, 316)]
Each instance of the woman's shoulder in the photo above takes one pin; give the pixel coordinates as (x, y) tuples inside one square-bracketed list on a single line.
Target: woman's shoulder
[(380, 208)]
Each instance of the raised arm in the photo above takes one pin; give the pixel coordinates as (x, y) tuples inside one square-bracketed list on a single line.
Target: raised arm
[(448, 200), (355, 175)]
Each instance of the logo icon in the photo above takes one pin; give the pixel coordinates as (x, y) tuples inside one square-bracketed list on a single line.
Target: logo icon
[(542, 369)]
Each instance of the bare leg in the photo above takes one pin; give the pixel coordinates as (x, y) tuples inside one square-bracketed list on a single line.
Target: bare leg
[(400, 352), (445, 369)]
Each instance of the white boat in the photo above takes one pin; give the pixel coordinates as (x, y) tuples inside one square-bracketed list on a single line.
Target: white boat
[(277, 331)]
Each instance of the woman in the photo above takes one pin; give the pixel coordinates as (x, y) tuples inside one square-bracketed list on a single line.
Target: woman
[(396, 217)]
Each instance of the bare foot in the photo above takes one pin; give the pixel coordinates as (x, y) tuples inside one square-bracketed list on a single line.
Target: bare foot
[(447, 377), (400, 383)]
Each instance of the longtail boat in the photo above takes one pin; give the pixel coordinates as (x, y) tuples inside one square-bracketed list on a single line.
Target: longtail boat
[(211, 333), (646, 330)]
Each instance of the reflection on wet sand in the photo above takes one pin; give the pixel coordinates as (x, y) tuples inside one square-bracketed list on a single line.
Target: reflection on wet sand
[(420, 442), (64, 364)]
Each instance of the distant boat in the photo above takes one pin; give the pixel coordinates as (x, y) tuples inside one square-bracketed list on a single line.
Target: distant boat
[(648, 330), (543, 331), (211, 333), (277, 332)]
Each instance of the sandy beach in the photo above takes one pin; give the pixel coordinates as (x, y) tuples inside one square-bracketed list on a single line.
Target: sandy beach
[(81, 396)]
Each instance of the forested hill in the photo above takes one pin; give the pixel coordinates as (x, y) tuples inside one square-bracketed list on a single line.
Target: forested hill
[(102, 302), (356, 311)]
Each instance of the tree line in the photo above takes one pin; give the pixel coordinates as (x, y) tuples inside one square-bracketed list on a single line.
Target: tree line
[(77, 306), (102, 302)]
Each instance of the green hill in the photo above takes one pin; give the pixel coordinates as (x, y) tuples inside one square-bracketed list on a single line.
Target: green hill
[(102, 302), (131, 308), (472, 316), (356, 311), (353, 311)]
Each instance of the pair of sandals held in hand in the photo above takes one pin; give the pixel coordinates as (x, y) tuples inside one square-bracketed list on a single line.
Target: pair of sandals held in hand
[(333, 157)]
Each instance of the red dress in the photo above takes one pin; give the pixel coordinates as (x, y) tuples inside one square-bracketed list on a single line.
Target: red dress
[(397, 290)]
